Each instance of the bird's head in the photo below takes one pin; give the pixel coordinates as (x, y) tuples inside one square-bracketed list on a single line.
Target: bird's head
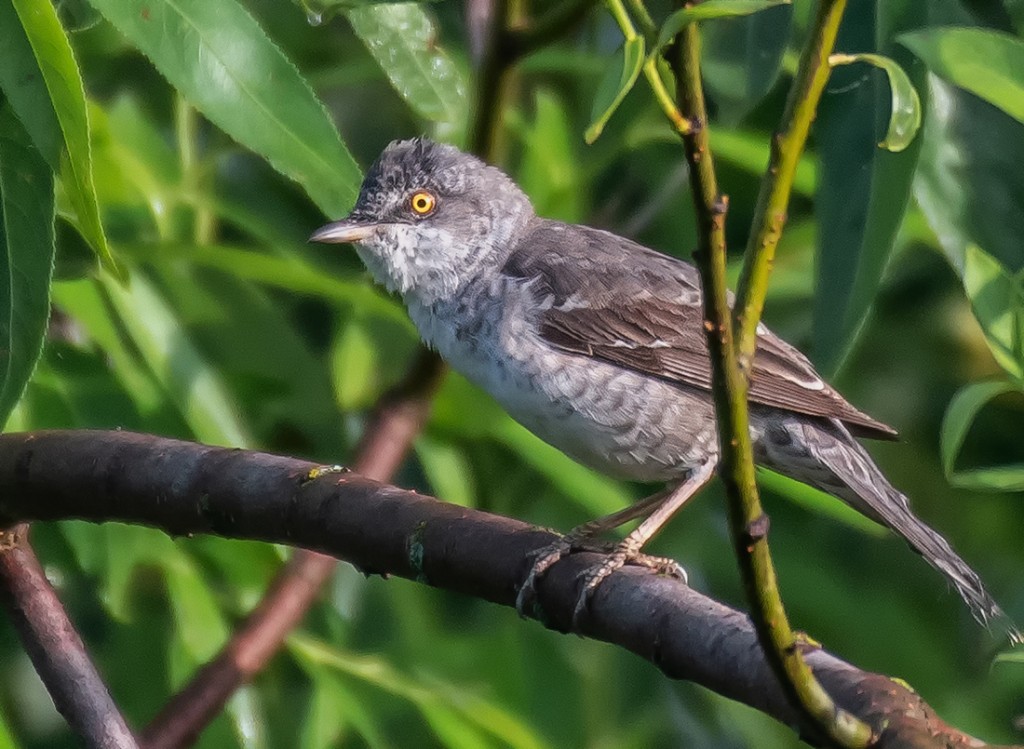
[(429, 218)]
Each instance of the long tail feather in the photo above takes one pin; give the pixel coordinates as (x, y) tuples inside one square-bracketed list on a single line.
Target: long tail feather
[(828, 458)]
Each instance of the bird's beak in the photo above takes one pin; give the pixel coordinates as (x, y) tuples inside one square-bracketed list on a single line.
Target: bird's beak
[(341, 232)]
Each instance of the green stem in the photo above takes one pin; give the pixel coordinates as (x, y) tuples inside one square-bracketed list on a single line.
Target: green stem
[(773, 200), (186, 132), (650, 69), (647, 24), (747, 520)]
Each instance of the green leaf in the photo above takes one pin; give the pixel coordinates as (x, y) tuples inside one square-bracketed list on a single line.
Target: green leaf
[(72, 387), (1011, 656), (7, 740), (403, 40), (464, 409), (955, 425), (291, 273), (278, 384), (64, 84), (245, 709), (26, 257), (192, 383), (319, 12), (458, 717), (222, 62), (549, 172), (905, 113), (452, 729), (487, 715), (197, 618), (618, 80), (987, 63), (112, 553), (707, 10), (741, 58), (447, 470), (22, 82), (998, 302), (863, 191), (354, 362), (969, 183), (84, 301), (334, 708), (137, 173)]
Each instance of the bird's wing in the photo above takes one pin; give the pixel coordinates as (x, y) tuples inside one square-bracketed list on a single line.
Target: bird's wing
[(611, 299)]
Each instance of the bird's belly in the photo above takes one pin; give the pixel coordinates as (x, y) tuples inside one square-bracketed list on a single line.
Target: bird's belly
[(610, 419), (613, 420)]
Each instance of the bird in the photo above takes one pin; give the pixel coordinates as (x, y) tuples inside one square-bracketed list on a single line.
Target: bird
[(597, 345)]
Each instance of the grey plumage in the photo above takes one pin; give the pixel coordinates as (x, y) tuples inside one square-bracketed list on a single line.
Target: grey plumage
[(596, 344), (609, 298)]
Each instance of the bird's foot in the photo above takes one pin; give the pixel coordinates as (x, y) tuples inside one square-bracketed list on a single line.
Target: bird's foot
[(541, 561), (618, 555), (622, 554)]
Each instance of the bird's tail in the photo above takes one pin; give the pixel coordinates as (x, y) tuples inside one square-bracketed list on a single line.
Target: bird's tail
[(844, 469)]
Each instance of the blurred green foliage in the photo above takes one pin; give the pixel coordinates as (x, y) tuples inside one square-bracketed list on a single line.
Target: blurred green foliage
[(202, 142)]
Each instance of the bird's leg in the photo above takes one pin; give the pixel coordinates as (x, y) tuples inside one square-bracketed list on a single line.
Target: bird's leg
[(656, 510), (628, 550), (580, 538)]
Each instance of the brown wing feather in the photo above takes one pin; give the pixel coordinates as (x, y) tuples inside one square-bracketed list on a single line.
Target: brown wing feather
[(617, 301)]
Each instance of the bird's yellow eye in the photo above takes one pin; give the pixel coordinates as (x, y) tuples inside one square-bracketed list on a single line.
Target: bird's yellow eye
[(422, 202)]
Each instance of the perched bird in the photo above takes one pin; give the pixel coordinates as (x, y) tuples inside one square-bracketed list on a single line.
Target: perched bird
[(597, 345)]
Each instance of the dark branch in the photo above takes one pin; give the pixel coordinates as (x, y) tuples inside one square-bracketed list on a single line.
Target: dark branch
[(55, 648), (185, 488)]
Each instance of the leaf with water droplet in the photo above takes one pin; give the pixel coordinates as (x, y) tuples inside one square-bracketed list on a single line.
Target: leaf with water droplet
[(905, 115), (403, 41), (222, 62)]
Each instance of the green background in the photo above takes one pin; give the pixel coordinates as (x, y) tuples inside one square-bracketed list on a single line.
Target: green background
[(192, 145)]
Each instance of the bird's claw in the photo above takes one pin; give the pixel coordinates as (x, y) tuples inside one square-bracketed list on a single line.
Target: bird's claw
[(620, 556), (543, 558), (617, 557), (661, 566), (593, 577)]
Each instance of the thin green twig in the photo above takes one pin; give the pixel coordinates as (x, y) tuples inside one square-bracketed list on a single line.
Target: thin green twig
[(650, 69), (186, 132), (643, 17), (748, 522), (773, 200)]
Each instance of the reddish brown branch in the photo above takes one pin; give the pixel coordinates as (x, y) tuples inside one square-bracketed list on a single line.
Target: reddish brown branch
[(396, 423), (186, 488), (56, 650)]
